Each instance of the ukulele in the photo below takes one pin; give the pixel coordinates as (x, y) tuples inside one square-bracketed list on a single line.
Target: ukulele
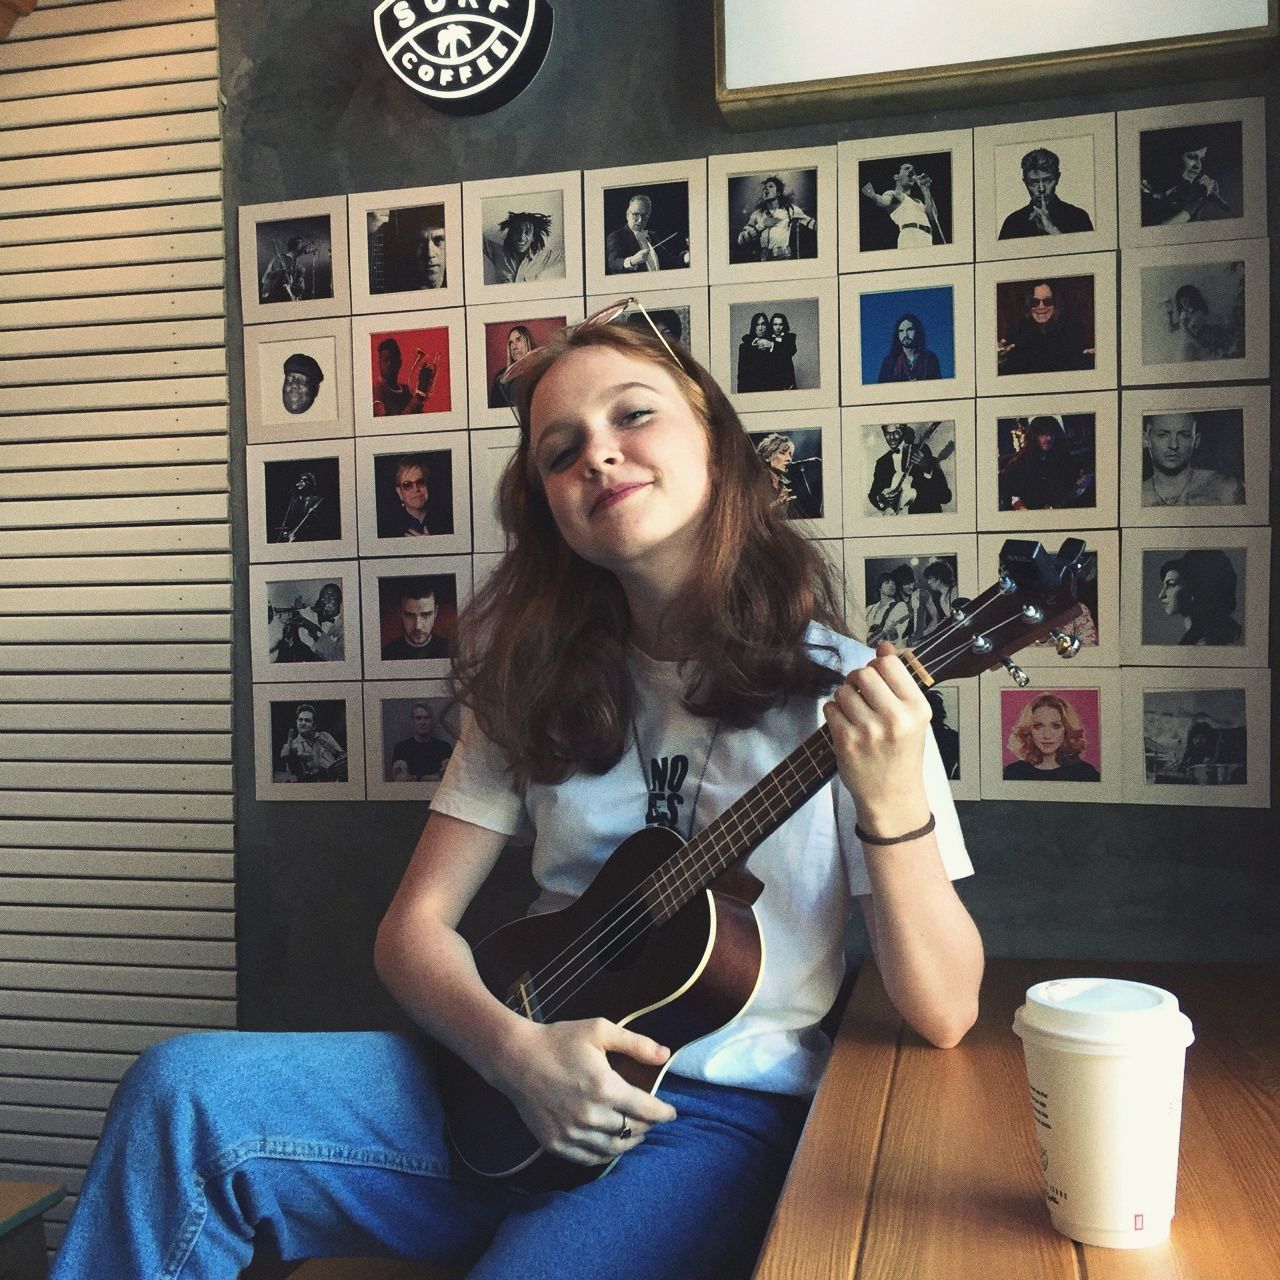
[(664, 939)]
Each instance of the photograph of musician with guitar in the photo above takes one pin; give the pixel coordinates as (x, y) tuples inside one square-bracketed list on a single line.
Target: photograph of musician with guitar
[(295, 259), (311, 736), (908, 476)]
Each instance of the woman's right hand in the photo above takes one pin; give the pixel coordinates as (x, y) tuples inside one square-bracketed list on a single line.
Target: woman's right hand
[(572, 1100)]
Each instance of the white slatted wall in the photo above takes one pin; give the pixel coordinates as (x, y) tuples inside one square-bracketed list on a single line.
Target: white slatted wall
[(116, 889)]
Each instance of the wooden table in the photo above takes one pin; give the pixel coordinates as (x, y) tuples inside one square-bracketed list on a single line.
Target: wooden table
[(919, 1163)]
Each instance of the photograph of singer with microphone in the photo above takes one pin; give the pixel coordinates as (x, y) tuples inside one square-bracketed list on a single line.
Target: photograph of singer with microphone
[(794, 461), (1045, 213), (1190, 174), (909, 204), (302, 500)]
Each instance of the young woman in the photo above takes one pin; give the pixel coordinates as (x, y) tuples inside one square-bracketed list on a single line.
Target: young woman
[(655, 639), (1048, 740)]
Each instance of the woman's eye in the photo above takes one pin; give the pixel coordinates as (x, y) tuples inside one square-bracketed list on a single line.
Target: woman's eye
[(634, 416)]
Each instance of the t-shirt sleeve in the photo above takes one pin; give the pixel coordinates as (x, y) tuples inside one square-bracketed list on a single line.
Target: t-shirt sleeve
[(477, 786)]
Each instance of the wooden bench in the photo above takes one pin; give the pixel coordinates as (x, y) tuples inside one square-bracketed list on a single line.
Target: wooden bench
[(22, 1209)]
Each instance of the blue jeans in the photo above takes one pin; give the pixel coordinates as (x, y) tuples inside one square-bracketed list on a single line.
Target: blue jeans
[(332, 1144)]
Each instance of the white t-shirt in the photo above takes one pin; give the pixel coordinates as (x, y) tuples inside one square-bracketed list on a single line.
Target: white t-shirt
[(694, 769)]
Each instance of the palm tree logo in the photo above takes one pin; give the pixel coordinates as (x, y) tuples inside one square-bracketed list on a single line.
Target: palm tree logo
[(450, 38)]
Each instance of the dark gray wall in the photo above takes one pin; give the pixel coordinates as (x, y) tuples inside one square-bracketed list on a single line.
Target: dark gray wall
[(312, 110)]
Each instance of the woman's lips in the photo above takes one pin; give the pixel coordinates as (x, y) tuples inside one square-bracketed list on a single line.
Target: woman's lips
[(613, 496)]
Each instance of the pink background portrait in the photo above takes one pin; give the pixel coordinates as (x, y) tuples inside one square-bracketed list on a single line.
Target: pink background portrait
[(1085, 703)]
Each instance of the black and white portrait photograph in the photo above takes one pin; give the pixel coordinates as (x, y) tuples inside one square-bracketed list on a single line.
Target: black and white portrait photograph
[(1195, 456), (1196, 313), (299, 621), (411, 729), (899, 589), (954, 727), (775, 354), (308, 741), (908, 473), (406, 248), (1045, 187), (772, 215), (490, 452), (679, 315), (1192, 172), (646, 227), (408, 617), (301, 501), (1195, 597), (298, 381), (293, 260), (1051, 329), (1197, 737), (801, 453), (906, 201), (414, 495), (523, 237)]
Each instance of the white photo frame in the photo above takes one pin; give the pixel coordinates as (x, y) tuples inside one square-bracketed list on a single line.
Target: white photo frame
[(867, 457), (1193, 172), (691, 308), (961, 756), (735, 184), (432, 349), (1221, 438), (293, 260), (808, 488), (293, 630), (447, 578), (1082, 287), (875, 306), (390, 503), (398, 262), (1079, 206), (315, 408), (1098, 626), (1093, 695), (805, 305), (552, 271), (401, 764), (1168, 336), (336, 712), (1199, 737), (929, 224), (1071, 484), (1227, 561), (302, 501), (490, 452), (490, 332), (615, 260)]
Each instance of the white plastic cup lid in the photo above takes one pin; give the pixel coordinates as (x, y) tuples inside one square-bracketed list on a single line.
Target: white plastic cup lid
[(1104, 1012)]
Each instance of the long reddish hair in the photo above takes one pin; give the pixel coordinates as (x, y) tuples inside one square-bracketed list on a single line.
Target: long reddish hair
[(541, 651)]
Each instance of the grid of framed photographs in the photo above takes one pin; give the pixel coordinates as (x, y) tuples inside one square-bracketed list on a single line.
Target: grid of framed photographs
[(935, 341)]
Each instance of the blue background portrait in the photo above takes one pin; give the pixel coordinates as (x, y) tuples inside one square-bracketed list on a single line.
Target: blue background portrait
[(879, 314)]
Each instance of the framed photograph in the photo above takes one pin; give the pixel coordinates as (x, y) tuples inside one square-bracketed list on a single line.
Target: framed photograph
[(1195, 597), (1196, 313), (1046, 324), (1098, 589), (775, 346), (293, 260), (1191, 173), (646, 227), (906, 201), (907, 335), (409, 613), (409, 370), (1047, 462), (406, 248), (298, 621), (1197, 737), (955, 730), (308, 742), (802, 451), (1045, 187), (302, 501), (900, 590), (904, 473), (499, 336), (682, 315), (414, 495), (523, 237), (410, 731), (1058, 739), (490, 452), (1195, 456), (297, 381), (772, 215)]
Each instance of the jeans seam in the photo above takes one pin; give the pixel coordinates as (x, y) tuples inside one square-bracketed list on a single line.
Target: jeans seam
[(326, 1152)]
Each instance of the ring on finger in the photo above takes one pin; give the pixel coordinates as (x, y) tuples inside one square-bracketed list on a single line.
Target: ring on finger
[(625, 1132)]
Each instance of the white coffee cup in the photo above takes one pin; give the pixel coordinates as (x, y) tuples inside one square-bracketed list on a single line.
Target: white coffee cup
[(1105, 1062)]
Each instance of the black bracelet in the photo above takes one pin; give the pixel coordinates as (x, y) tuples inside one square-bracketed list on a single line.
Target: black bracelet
[(866, 838)]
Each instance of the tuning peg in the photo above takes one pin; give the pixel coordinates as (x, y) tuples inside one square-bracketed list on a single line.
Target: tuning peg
[(1065, 645), (1032, 614), (1020, 677)]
